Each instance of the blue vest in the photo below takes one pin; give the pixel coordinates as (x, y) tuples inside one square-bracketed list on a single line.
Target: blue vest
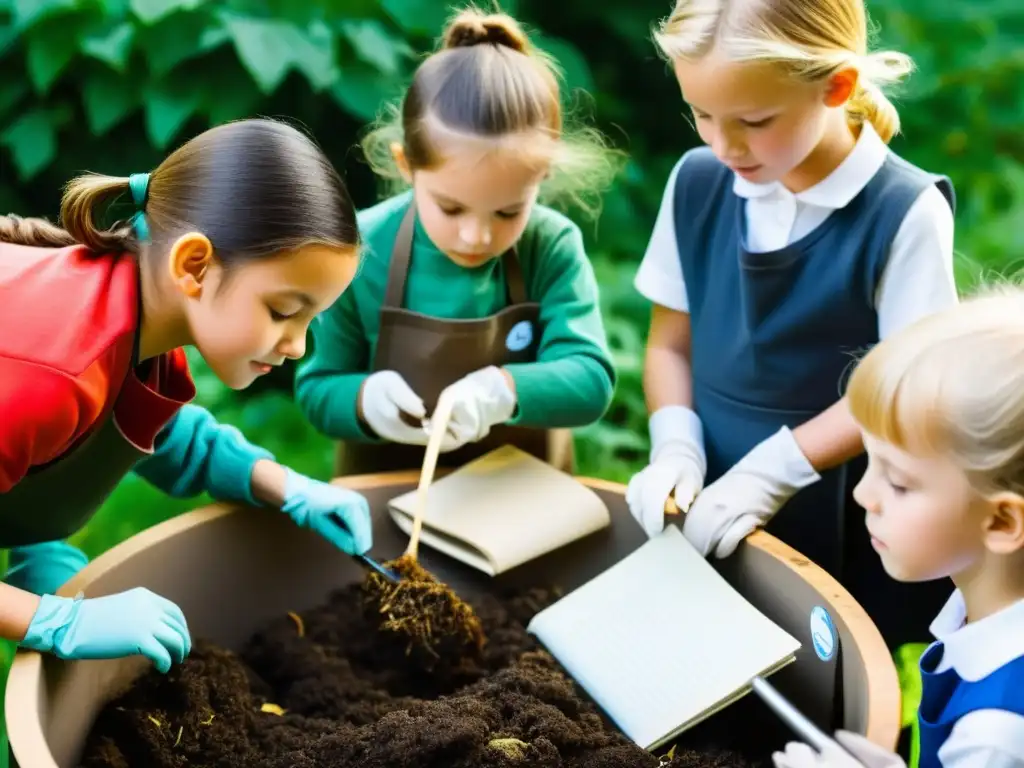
[(774, 334), (946, 697)]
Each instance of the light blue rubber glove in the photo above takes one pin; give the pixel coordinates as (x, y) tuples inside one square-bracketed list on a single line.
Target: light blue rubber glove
[(43, 568), (136, 622), (339, 515)]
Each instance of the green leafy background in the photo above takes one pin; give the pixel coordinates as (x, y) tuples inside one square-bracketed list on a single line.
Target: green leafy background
[(113, 85)]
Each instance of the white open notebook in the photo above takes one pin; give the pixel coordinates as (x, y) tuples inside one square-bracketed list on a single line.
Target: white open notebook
[(661, 640), (502, 510)]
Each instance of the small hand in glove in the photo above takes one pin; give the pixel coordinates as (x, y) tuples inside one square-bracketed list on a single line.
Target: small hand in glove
[(479, 401), (748, 495), (384, 396), (43, 568), (863, 754), (677, 467), (340, 515), (136, 622)]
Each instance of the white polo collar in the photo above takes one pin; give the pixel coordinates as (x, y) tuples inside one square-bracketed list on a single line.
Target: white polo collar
[(978, 649), (838, 188)]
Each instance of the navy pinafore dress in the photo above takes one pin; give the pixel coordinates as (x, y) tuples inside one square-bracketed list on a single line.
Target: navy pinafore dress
[(774, 337)]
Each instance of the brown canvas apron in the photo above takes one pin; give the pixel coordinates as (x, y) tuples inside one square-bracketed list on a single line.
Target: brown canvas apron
[(430, 353), (58, 499)]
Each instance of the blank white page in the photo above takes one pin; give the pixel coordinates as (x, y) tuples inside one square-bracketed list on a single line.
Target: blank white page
[(660, 639)]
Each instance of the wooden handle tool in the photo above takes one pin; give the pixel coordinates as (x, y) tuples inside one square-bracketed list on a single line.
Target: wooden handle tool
[(438, 426)]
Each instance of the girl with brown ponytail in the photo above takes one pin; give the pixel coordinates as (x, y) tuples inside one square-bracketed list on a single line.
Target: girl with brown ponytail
[(239, 238), (470, 282)]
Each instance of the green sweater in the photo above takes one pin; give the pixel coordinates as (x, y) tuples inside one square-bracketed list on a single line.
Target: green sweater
[(569, 385)]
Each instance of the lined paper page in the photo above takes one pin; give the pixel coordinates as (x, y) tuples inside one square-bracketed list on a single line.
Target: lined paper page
[(660, 638)]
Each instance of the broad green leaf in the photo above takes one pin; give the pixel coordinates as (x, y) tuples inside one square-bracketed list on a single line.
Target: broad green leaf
[(8, 37), (375, 45), (264, 46), (32, 142), (27, 13), (11, 92), (302, 14), (363, 92), (108, 100), (230, 94), (423, 17), (314, 55), (115, 9), (113, 47), (178, 38), (151, 11), (168, 106), (212, 37), (575, 70), (50, 48)]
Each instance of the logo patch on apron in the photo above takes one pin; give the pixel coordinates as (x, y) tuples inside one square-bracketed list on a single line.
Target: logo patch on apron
[(823, 633), (520, 337)]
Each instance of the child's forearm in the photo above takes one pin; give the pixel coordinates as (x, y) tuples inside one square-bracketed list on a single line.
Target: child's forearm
[(17, 607), (830, 438), (268, 482), (668, 377)]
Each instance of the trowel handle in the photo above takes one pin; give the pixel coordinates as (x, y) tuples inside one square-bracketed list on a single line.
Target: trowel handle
[(793, 717), (369, 562)]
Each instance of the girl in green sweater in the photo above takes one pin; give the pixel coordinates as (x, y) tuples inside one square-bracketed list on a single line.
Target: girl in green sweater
[(468, 283)]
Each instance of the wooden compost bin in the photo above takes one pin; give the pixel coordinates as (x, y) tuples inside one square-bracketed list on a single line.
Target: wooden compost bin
[(233, 568)]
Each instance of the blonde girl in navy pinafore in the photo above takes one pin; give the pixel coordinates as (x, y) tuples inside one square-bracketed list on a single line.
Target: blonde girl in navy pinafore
[(793, 241)]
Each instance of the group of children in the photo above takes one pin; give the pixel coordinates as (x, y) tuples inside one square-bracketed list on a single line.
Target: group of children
[(790, 244)]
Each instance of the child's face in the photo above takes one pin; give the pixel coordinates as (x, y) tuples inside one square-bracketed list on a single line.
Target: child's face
[(925, 520), (475, 206), (256, 316), (759, 122)]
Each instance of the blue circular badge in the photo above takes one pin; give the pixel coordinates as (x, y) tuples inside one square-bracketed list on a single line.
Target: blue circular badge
[(823, 633), (520, 337)]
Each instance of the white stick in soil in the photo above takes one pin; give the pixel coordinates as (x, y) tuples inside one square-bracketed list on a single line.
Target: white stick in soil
[(439, 425)]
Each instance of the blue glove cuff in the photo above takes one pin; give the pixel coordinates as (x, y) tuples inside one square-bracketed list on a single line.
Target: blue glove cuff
[(295, 485), (50, 622), (235, 461)]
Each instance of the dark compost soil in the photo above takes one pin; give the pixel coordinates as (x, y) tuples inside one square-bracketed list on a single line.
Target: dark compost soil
[(328, 690)]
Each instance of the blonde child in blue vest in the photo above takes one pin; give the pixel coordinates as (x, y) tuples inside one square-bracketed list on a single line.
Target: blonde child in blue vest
[(941, 409), (795, 239)]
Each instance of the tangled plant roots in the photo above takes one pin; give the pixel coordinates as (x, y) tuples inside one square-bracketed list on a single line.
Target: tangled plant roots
[(438, 624)]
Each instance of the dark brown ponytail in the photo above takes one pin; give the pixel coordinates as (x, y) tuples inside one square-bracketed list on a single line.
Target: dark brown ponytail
[(255, 188)]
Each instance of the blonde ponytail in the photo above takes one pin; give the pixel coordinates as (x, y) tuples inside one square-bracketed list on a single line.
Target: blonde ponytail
[(868, 103)]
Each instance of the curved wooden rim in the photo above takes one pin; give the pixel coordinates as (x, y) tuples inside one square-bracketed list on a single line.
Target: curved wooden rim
[(883, 720), (884, 716)]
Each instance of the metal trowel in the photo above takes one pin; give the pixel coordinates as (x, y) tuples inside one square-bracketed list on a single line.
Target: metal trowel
[(372, 564)]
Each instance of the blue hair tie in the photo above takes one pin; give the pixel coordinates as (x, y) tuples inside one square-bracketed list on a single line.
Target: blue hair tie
[(138, 183)]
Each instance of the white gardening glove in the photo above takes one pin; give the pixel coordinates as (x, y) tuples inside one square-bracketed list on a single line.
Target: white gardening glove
[(480, 400), (385, 395), (677, 467), (748, 495), (865, 754)]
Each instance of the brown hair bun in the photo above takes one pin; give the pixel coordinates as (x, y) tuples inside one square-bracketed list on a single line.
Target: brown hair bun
[(472, 27)]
